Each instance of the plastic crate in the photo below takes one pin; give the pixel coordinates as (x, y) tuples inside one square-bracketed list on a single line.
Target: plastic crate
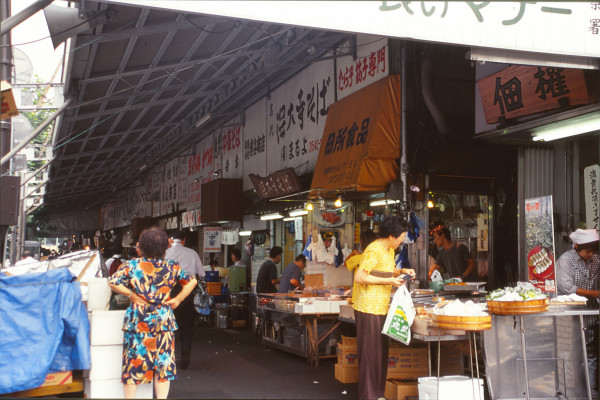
[(213, 288)]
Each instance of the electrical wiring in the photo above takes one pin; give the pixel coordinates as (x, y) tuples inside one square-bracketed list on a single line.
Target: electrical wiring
[(211, 32)]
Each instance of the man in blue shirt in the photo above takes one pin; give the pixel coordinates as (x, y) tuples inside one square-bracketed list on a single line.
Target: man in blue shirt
[(290, 279)]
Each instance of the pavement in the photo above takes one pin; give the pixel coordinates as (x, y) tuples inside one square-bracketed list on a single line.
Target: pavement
[(233, 364)]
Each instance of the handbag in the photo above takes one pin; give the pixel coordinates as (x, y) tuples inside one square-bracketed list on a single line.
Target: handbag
[(203, 302)]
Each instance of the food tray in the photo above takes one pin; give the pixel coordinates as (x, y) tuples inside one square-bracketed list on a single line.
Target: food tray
[(469, 287), (517, 307), (464, 323)]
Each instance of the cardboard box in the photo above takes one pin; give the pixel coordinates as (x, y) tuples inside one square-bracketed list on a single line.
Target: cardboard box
[(346, 374), (347, 356), (398, 390), (58, 378), (407, 359), (313, 280), (450, 388), (346, 311), (113, 389), (349, 341), (106, 327)]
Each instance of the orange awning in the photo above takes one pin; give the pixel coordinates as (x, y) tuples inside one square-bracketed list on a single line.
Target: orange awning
[(361, 140)]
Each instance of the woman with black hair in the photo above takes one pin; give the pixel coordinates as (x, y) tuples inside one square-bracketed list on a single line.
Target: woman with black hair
[(149, 324), (374, 279)]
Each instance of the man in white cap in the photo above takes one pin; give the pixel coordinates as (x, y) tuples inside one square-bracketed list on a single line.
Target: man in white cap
[(577, 272)]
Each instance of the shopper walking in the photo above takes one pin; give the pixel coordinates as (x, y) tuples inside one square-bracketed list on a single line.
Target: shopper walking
[(185, 314), (149, 323), (371, 305)]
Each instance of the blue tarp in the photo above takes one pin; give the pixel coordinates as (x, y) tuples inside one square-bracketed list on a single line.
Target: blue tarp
[(44, 328)]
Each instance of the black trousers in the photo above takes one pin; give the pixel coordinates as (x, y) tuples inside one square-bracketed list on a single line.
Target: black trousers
[(373, 350), (185, 315)]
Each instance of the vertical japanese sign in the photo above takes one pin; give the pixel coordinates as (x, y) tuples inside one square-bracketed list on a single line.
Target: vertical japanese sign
[(231, 152), (370, 65), (199, 171), (168, 201), (155, 193), (182, 183), (212, 239), (296, 116), (255, 142), (539, 237), (591, 178), (140, 206)]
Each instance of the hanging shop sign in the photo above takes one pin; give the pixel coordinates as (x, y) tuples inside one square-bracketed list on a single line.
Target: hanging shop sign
[(155, 192), (296, 116), (524, 90), (168, 183), (539, 234), (570, 28), (212, 239), (139, 206), (591, 177), (182, 183), (9, 107), (199, 171), (277, 184), (231, 150), (190, 219), (255, 142), (361, 140), (370, 64)]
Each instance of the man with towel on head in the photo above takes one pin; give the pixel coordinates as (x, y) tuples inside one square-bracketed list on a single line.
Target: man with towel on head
[(577, 272)]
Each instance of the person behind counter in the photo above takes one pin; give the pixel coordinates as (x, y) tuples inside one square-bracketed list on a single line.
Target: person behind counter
[(149, 323), (267, 274), (577, 272), (290, 279), (454, 259), (371, 305), (236, 257)]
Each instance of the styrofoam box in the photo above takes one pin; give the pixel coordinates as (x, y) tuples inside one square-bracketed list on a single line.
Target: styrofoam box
[(107, 327), (113, 389), (107, 361), (98, 294), (450, 388)]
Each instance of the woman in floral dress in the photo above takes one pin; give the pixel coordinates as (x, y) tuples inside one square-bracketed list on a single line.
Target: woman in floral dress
[(149, 324)]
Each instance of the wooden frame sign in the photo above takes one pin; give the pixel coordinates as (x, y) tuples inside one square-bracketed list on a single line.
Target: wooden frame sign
[(524, 90)]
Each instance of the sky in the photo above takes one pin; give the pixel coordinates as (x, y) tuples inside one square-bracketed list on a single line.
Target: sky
[(42, 54)]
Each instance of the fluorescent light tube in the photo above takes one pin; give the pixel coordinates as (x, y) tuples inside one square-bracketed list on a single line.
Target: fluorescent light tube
[(563, 129), (383, 202), (245, 233), (297, 213), (289, 218), (267, 217)]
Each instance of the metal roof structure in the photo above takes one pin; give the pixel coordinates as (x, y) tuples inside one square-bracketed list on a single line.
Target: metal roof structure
[(147, 84)]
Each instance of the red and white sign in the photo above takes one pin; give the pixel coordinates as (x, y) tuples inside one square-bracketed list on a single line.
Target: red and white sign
[(212, 239)]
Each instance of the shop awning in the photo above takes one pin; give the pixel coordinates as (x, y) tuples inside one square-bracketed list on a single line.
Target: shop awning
[(361, 141)]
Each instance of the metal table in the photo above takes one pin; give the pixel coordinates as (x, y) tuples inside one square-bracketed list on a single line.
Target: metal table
[(538, 356)]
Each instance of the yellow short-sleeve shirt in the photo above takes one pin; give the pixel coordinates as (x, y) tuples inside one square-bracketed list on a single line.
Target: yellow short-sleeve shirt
[(374, 299)]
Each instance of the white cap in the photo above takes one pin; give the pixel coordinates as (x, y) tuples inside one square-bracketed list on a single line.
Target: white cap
[(583, 236)]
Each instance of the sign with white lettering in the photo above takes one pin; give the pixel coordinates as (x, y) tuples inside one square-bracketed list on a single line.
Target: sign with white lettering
[(277, 184), (168, 200), (212, 239), (182, 183), (570, 28), (539, 229), (199, 171)]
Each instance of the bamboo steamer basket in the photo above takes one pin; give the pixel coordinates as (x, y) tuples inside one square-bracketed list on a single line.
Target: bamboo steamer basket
[(464, 323), (517, 307)]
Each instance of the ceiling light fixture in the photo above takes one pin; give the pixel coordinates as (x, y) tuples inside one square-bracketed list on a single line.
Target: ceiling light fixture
[(309, 207), (268, 217), (286, 219), (566, 128), (383, 202), (202, 120), (297, 213), (245, 233), (430, 204)]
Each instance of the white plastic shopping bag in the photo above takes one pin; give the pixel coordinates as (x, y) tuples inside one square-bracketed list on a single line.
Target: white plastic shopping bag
[(400, 316)]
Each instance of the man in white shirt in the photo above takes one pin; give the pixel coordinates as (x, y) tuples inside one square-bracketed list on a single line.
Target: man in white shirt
[(185, 314)]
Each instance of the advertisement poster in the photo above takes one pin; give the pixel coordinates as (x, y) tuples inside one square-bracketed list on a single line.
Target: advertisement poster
[(212, 239), (539, 243), (591, 178)]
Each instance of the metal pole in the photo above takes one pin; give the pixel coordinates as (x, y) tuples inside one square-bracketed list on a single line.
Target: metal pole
[(524, 350), (585, 359), (403, 133), (14, 20), (37, 171), (36, 132)]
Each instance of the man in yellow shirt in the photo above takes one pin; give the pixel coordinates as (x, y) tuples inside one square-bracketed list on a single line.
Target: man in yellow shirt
[(371, 303)]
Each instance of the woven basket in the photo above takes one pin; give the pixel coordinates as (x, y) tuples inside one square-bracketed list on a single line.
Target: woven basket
[(464, 323)]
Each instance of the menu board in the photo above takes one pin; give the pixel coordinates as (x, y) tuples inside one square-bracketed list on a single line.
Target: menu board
[(539, 243)]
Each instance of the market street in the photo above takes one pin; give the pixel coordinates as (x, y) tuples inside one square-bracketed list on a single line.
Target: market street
[(232, 364)]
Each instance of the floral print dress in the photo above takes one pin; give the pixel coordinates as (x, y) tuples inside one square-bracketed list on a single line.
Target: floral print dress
[(148, 341)]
